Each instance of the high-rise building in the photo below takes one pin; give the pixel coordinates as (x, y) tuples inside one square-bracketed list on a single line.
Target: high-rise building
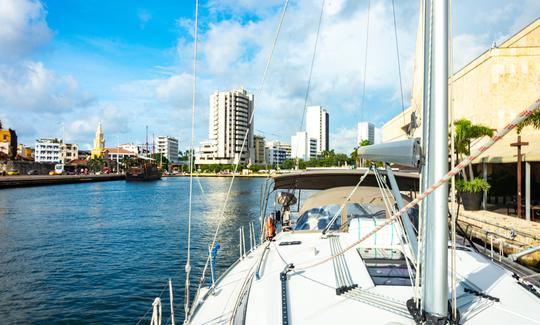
[(303, 147), (259, 150), (168, 147), (317, 127), (99, 143), (366, 131), (277, 152), (230, 112)]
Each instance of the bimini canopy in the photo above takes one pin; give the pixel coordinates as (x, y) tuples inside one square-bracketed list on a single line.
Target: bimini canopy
[(325, 179)]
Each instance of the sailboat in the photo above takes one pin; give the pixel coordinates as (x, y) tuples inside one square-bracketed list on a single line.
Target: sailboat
[(370, 246)]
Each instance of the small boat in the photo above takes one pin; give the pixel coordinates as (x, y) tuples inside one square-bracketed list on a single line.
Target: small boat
[(145, 172)]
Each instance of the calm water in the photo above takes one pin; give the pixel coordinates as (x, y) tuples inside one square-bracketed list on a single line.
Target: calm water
[(101, 252)]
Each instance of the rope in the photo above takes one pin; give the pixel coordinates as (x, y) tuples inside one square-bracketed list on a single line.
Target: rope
[(398, 63), (455, 170), (347, 199), (151, 307), (309, 81), (263, 80), (188, 260), (365, 62)]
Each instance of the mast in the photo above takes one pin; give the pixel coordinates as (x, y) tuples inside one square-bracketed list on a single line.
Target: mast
[(147, 141), (435, 138)]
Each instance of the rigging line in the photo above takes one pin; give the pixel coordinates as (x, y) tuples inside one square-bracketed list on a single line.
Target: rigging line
[(403, 240), (534, 107), (365, 62), (347, 199), (263, 80), (308, 87), (151, 307), (190, 210), (398, 63)]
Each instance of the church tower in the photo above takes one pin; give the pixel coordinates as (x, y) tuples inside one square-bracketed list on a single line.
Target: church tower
[(99, 143)]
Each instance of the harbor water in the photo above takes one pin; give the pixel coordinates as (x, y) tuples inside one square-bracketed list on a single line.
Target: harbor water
[(101, 252)]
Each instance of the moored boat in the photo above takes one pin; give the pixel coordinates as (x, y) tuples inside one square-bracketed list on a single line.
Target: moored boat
[(145, 172)]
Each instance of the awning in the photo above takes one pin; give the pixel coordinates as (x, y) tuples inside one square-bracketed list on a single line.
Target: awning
[(322, 180)]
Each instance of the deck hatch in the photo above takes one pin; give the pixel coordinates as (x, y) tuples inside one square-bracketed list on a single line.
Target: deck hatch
[(386, 266)]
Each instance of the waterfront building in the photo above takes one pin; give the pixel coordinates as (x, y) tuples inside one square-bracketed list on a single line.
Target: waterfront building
[(277, 152), (48, 150), (68, 152), (117, 153), (8, 142), (259, 150), (317, 127), (303, 147), (99, 143), (132, 147), (24, 151), (491, 90), (230, 112), (168, 147)]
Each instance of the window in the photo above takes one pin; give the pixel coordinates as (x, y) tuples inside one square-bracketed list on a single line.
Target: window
[(318, 218), (386, 266)]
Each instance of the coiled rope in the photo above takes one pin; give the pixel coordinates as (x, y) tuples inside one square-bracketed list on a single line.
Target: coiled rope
[(499, 135)]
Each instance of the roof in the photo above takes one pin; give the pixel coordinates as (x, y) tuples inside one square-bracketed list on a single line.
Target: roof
[(322, 180), (120, 151)]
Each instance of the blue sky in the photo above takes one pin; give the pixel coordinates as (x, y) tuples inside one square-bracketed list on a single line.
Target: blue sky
[(128, 63)]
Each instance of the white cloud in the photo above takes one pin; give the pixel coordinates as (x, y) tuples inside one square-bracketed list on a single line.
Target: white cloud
[(22, 28), (343, 140), (29, 86)]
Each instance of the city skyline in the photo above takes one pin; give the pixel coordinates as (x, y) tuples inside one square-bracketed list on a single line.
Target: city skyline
[(60, 67)]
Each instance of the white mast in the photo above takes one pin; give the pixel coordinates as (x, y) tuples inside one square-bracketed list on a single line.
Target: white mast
[(435, 138)]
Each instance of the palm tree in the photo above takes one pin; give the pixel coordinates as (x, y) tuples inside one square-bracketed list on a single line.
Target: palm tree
[(465, 132), (533, 120)]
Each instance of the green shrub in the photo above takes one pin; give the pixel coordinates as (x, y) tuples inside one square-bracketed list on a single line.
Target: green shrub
[(473, 186)]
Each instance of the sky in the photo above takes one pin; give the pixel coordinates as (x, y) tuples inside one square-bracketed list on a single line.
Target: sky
[(67, 65)]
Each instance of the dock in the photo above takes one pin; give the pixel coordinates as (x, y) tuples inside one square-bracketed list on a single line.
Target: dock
[(43, 180), (502, 233)]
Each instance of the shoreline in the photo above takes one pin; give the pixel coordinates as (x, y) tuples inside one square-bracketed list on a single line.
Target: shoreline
[(44, 180)]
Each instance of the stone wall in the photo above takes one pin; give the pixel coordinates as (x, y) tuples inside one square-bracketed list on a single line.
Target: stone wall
[(23, 167)]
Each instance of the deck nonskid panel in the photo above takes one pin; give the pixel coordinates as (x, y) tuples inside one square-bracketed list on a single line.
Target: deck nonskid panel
[(312, 297)]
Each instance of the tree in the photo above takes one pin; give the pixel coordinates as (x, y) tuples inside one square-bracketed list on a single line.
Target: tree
[(465, 132), (359, 161), (96, 164), (532, 120)]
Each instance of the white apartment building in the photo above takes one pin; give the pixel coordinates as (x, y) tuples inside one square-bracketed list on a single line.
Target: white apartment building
[(277, 152), (132, 147), (366, 131), (48, 150), (230, 112), (303, 147), (317, 127), (168, 147)]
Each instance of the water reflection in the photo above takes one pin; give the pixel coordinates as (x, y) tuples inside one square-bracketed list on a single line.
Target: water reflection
[(100, 252)]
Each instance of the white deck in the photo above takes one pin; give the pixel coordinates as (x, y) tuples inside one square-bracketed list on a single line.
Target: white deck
[(312, 292)]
